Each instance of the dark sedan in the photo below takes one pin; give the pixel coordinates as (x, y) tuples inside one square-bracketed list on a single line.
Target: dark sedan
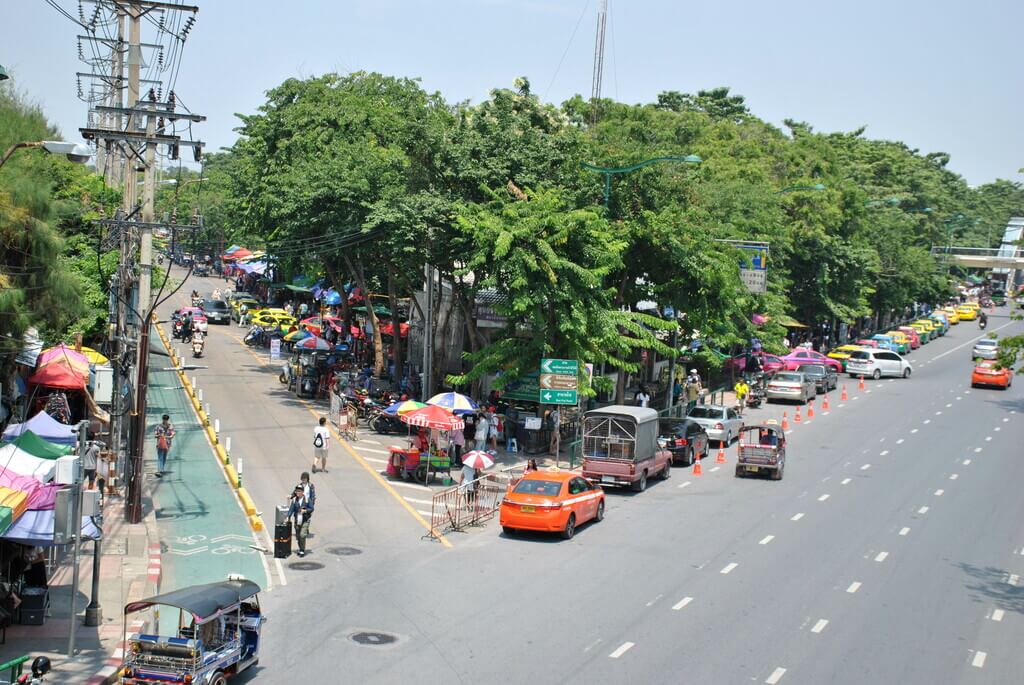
[(684, 438), (824, 377), (217, 311)]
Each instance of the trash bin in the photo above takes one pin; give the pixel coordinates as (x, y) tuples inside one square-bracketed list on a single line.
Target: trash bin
[(281, 514), (33, 605)]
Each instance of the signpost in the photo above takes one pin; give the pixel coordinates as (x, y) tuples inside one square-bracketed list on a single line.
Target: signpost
[(559, 384), (755, 276)]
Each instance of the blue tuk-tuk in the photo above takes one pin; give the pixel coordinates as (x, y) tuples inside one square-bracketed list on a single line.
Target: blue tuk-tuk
[(217, 635)]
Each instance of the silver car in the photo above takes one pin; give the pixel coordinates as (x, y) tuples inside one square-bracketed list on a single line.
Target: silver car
[(791, 385), (720, 423), (986, 348)]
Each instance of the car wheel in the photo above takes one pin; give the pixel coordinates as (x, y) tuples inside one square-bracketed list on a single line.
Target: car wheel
[(666, 472), (877, 374), (570, 527), (508, 531), (640, 485), (219, 679), (779, 471), (689, 457), (906, 372), (739, 471), (599, 516)]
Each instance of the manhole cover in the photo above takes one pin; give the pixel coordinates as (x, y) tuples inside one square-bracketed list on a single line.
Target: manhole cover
[(373, 639), (344, 551), (304, 566)]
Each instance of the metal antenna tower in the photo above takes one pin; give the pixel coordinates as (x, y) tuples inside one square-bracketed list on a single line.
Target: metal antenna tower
[(602, 18)]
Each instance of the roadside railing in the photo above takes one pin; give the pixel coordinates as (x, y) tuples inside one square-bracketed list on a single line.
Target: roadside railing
[(458, 506)]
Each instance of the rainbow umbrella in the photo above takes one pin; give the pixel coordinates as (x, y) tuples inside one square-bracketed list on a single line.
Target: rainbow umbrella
[(313, 343), (400, 408), (297, 335), (62, 352), (454, 402)]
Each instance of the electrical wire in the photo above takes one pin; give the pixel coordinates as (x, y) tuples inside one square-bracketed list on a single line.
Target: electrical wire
[(566, 51)]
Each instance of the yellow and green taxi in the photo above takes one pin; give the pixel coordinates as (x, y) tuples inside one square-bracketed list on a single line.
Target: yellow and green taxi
[(843, 352), (931, 326), (951, 315), (270, 318), (251, 304), (968, 311), (924, 331), (901, 340)]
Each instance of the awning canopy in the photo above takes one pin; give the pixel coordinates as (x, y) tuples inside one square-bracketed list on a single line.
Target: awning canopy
[(790, 322), (37, 447), (18, 461), (36, 528), (56, 375), (202, 601), (46, 427)]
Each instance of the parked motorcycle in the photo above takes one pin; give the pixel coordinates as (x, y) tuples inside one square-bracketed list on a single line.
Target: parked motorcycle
[(40, 667), (386, 423), (255, 336)]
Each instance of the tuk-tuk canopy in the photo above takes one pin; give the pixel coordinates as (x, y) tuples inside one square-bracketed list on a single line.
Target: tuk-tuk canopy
[(202, 601)]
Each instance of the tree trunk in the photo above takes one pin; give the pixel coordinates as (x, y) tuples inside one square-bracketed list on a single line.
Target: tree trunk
[(378, 344), (472, 332), (346, 313), (442, 317), (396, 326)]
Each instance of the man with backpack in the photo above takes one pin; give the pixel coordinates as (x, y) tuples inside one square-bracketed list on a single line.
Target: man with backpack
[(321, 438)]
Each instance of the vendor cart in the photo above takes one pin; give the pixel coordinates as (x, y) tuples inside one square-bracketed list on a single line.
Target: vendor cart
[(410, 464)]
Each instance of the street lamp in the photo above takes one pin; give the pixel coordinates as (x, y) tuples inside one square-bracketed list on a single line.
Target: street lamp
[(608, 171), (790, 189), (75, 152)]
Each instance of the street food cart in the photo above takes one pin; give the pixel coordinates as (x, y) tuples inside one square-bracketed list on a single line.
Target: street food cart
[(217, 635)]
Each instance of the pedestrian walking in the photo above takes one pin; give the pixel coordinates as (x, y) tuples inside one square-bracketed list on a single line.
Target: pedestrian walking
[(300, 511), (642, 397), (89, 460), (483, 424), (321, 440), (243, 315), (468, 485), (494, 423), (458, 442), (164, 434), (692, 390)]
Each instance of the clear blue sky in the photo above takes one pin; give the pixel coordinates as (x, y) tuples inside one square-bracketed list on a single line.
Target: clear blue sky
[(936, 74)]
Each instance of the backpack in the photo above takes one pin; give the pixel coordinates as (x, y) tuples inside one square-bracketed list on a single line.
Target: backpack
[(318, 440)]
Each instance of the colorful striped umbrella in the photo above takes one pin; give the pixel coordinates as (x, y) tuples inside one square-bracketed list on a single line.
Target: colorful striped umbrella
[(400, 408), (313, 343), (477, 459), (455, 402), (433, 416), (297, 335)]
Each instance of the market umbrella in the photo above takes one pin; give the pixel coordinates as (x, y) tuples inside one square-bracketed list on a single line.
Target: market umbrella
[(332, 297), (94, 357), (297, 335), (455, 402), (37, 447), (56, 375), (433, 416), (477, 459), (59, 352), (400, 408), (313, 343)]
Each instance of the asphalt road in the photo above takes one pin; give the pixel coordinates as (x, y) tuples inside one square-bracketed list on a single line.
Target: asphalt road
[(892, 552)]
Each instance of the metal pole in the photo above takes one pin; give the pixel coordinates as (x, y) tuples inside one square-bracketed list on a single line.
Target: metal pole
[(76, 522), (94, 612), (139, 434), (428, 335), (670, 397)]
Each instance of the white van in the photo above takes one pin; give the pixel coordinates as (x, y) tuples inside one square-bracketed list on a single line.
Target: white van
[(877, 363)]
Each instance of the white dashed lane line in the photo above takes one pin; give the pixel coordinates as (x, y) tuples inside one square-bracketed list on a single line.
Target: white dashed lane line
[(997, 429), (776, 676), (766, 539), (728, 568), (977, 450), (1005, 420), (865, 467), (681, 603), (880, 557), (988, 438), (997, 614), (823, 498), (979, 659), (684, 485), (927, 421), (1013, 579), (954, 476), (913, 430), (845, 481), (967, 462), (900, 441), (939, 492), (904, 531), (883, 453), (854, 586), (819, 626), (797, 517), (622, 649), (922, 510)]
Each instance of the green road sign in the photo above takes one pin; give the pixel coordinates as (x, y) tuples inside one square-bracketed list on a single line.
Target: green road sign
[(559, 397), (562, 366), (525, 387)]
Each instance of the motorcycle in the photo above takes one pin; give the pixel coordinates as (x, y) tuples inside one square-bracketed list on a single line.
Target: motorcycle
[(198, 342), (757, 394), (255, 336), (40, 667), (380, 422), (197, 301), (982, 323)]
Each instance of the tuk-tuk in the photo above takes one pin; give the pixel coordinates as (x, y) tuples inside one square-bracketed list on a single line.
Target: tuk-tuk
[(762, 448), (305, 368), (217, 635)]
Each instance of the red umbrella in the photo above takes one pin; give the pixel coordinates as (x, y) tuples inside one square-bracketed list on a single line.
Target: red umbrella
[(57, 375), (433, 416)]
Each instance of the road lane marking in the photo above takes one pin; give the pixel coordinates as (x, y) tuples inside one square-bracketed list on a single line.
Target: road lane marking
[(922, 510), (865, 467), (881, 556), (854, 586), (683, 485), (715, 469), (376, 460), (900, 441), (969, 342), (997, 429), (412, 486), (797, 517), (948, 405), (979, 659), (1005, 419), (372, 450), (425, 513), (418, 501), (776, 676), (927, 421), (977, 450), (841, 406), (988, 438), (967, 462), (959, 398), (904, 530), (651, 603), (883, 453), (823, 498), (766, 539), (939, 492), (997, 614), (845, 481), (729, 567), (623, 648), (913, 430), (375, 442), (819, 626), (954, 476), (681, 603), (938, 413)]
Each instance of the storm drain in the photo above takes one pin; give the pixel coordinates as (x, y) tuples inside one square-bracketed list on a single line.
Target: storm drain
[(344, 551), (305, 566), (373, 638)]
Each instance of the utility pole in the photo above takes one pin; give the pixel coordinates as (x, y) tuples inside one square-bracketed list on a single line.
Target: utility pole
[(595, 83), (134, 62), (76, 522), (428, 334)]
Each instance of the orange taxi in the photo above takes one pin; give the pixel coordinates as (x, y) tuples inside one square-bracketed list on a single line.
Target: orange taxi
[(551, 501), (987, 373)]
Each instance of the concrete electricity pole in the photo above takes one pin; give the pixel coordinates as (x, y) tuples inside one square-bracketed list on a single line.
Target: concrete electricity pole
[(134, 62)]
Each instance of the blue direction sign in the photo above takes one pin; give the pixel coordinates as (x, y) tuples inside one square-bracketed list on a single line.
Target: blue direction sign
[(559, 396)]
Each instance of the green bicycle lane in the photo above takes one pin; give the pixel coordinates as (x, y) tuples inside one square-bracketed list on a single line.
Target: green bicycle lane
[(204, 534)]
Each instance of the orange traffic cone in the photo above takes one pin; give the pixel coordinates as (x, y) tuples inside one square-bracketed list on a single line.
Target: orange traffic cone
[(810, 409), (785, 421), (843, 397), (797, 419), (720, 459), (824, 403), (696, 467), (861, 386)]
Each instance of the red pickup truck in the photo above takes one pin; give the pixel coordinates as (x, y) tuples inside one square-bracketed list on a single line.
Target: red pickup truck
[(620, 447)]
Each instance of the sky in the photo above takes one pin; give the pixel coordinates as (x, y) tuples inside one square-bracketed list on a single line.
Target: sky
[(939, 75)]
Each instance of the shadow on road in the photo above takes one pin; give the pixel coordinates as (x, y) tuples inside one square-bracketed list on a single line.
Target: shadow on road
[(991, 584)]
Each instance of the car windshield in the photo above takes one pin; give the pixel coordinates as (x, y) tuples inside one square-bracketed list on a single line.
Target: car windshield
[(215, 305), (788, 377), (862, 355), (706, 413), (812, 369), (987, 342), (530, 486)]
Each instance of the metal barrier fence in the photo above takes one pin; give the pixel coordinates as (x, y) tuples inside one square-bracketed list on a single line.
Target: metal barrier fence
[(456, 507)]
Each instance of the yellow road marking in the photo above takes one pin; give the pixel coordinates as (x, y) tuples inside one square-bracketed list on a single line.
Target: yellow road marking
[(358, 459)]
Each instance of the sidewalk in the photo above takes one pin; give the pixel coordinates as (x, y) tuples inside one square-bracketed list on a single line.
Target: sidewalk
[(129, 570)]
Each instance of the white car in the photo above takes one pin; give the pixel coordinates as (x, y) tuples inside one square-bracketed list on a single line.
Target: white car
[(986, 348), (720, 423), (878, 363)]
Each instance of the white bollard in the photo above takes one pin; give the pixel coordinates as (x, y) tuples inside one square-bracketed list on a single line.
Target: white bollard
[(216, 429), (200, 395), (227, 444), (239, 472)]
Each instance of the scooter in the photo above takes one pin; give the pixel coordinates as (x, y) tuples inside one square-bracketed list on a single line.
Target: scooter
[(197, 302), (982, 323), (385, 423), (254, 336), (198, 342), (40, 667)]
